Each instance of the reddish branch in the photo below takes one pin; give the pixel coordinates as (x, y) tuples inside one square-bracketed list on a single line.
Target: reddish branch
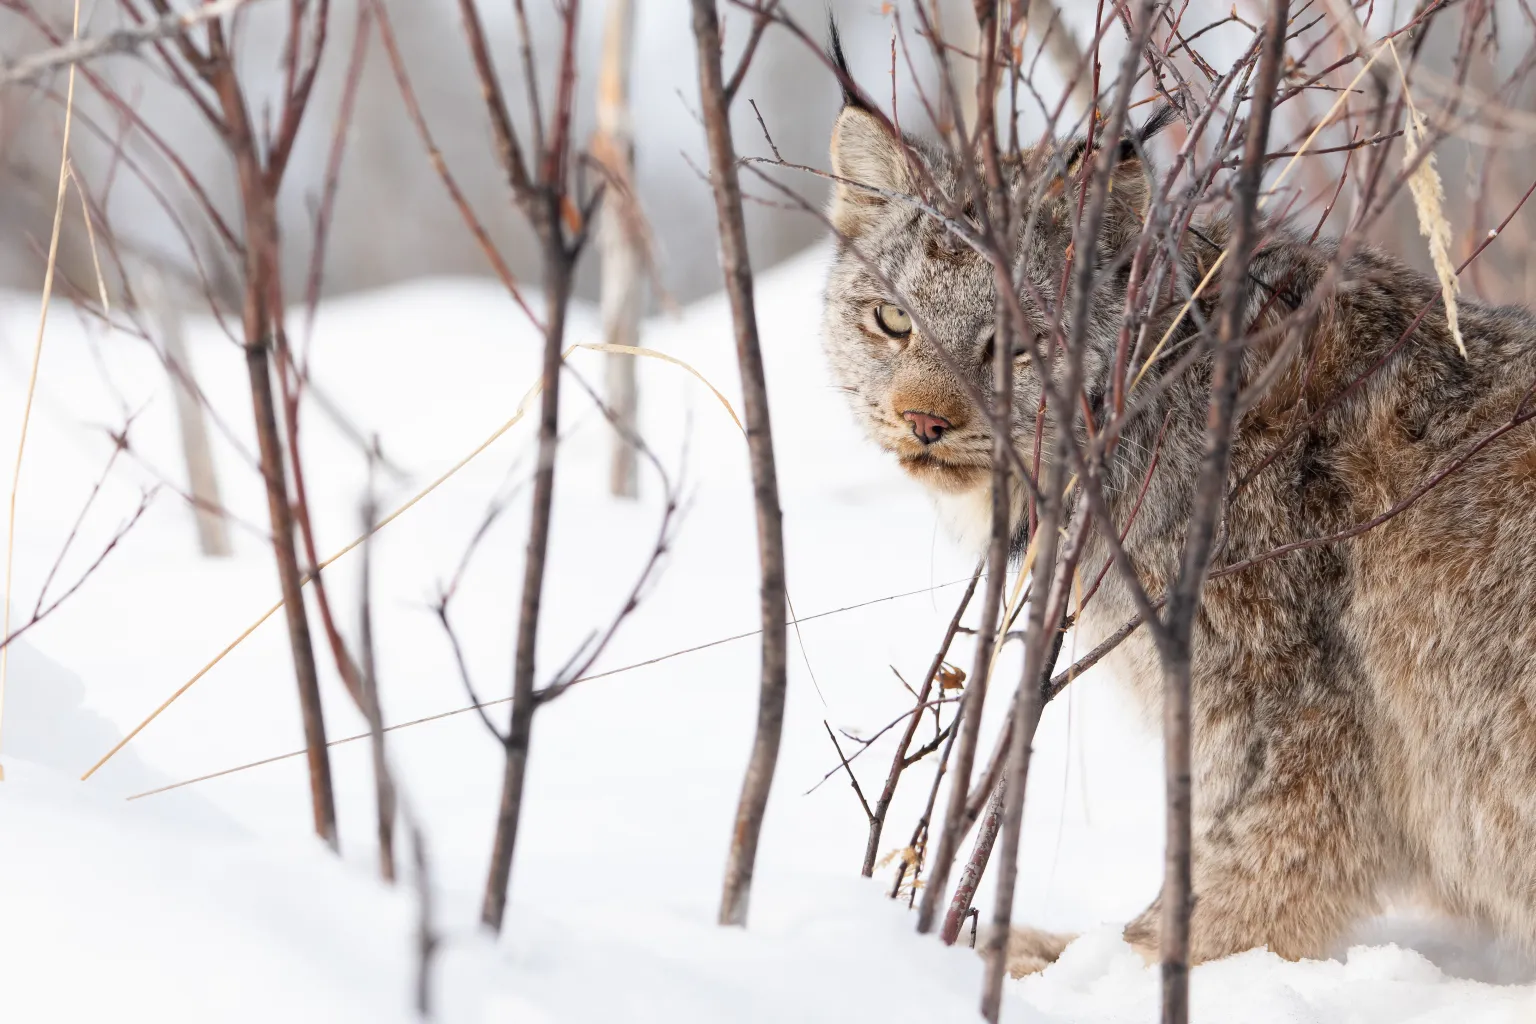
[(41, 611), (969, 713), (1041, 648), (997, 783), (260, 173), (557, 286), (998, 220), (561, 229), (293, 380), (970, 878), (1048, 604), (1176, 638), (899, 761), (208, 77), (715, 107), (472, 222)]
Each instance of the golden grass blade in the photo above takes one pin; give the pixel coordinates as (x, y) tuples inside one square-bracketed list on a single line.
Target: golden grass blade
[(606, 674), (1428, 201), (37, 355), (650, 353), (237, 641), (90, 234), (522, 408)]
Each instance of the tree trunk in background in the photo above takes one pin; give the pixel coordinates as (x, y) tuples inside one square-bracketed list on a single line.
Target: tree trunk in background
[(619, 248), (202, 480), (1047, 26), (957, 21)]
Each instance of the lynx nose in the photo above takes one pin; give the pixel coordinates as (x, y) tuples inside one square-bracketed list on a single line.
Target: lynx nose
[(926, 427)]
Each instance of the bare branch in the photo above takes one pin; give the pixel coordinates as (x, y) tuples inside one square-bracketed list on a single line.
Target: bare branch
[(119, 41), (898, 760), (770, 531), (852, 779), (1184, 598)]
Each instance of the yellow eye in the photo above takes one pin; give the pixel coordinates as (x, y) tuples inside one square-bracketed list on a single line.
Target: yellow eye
[(893, 320)]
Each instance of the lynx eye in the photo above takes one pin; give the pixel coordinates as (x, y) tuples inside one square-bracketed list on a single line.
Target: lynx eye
[(893, 320)]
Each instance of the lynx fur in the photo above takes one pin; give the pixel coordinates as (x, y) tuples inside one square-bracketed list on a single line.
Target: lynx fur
[(1365, 711)]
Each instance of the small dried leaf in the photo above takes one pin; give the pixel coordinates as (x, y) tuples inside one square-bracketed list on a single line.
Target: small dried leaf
[(570, 214), (951, 677)]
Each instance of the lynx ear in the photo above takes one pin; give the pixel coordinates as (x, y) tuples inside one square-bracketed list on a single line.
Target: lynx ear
[(1129, 178), (866, 153), (1130, 184), (1132, 181)]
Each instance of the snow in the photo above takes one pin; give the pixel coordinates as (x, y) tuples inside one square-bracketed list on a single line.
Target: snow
[(215, 902)]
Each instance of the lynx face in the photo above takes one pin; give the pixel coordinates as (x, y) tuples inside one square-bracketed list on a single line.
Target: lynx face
[(910, 306), (913, 350)]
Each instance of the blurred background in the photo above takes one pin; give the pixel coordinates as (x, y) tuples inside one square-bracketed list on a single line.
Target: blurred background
[(395, 222)]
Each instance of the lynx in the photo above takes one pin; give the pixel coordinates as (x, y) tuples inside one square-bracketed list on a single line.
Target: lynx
[(1364, 711)]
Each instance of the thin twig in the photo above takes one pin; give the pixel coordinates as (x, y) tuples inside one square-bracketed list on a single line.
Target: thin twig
[(898, 760), (37, 354), (1175, 641), (118, 41)]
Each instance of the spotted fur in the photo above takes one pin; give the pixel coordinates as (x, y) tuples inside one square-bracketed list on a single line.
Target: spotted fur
[(1364, 712)]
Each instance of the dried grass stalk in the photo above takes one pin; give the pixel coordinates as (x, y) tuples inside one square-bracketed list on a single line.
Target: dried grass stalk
[(1429, 201)]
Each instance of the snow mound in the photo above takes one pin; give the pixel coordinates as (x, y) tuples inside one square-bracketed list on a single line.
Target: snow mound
[(214, 902)]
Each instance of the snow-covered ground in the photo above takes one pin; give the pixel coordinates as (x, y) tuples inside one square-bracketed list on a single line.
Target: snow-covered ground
[(215, 903)]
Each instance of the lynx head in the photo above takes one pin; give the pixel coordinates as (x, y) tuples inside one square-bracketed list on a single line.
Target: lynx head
[(910, 305)]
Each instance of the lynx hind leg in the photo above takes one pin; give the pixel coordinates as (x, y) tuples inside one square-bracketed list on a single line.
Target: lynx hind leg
[(1029, 949), (1297, 904), (1290, 868)]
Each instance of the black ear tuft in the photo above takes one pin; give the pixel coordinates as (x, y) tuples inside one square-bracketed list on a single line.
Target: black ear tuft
[(1161, 118), (840, 65), (1133, 146)]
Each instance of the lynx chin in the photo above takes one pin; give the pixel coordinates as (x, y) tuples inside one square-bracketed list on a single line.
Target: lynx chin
[(1364, 711)]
